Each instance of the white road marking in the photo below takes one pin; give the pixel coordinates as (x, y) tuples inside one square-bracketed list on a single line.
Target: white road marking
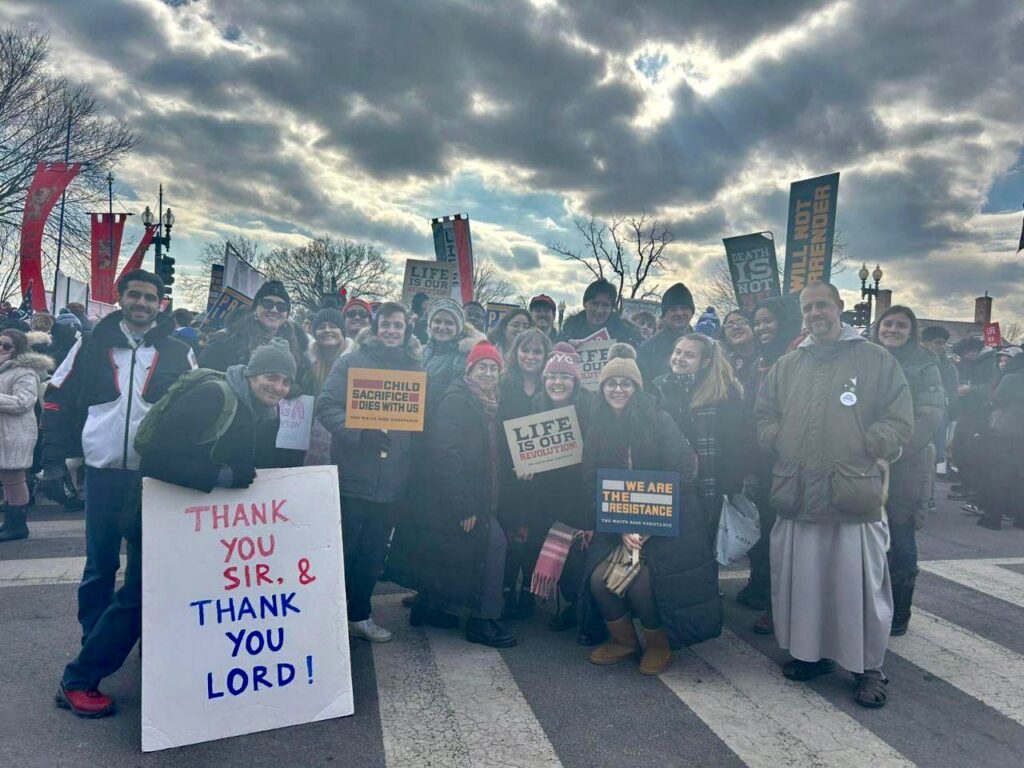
[(985, 670), (767, 720), (984, 575), (45, 570), (446, 702)]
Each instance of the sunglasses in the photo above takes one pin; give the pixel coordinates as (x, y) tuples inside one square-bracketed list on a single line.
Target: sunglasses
[(6, 347), (357, 314), (275, 306)]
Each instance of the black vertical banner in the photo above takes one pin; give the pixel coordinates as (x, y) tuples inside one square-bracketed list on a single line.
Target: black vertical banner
[(753, 267), (811, 231)]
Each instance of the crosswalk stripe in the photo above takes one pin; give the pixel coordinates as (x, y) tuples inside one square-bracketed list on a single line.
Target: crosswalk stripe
[(56, 529), (766, 720), (446, 702), (992, 674), (983, 575), (44, 570)]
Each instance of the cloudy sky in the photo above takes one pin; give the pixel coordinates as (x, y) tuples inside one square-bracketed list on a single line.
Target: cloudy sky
[(364, 119)]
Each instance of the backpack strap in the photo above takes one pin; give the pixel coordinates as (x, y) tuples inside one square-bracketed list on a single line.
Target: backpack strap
[(227, 414)]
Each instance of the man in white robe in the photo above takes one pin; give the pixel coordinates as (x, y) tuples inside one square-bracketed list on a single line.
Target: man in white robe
[(836, 411)]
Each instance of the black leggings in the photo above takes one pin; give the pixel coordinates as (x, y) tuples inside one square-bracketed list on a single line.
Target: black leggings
[(639, 598)]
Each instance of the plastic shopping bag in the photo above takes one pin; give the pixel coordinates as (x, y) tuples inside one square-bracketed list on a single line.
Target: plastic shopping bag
[(739, 528)]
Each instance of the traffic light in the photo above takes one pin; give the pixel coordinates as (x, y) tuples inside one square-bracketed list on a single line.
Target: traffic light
[(861, 314), (165, 271)]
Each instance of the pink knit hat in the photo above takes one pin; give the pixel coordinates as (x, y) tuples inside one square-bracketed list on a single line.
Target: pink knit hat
[(564, 359)]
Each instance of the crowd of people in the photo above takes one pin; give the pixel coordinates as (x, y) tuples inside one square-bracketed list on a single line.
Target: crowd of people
[(833, 435)]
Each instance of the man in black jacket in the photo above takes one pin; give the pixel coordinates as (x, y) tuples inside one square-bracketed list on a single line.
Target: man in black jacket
[(183, 456), (599, 312), (677, 310), (94, 404)]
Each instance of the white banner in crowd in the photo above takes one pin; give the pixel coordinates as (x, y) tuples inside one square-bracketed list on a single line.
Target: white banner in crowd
[(296, 422), (240, 274), (243, 610), (68, 290), (545, 441)]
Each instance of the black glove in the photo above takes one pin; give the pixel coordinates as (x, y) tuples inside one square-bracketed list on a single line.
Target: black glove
[(242, 475), (52, 483), (375, 440)]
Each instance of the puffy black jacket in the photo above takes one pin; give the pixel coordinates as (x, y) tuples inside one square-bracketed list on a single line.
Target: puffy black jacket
[(99, 395), (575, 327)]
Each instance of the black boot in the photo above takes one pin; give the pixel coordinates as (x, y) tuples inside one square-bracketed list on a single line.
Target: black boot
[(564, 620), (902, 597), (489, 632), (15, 526), (425, 615)]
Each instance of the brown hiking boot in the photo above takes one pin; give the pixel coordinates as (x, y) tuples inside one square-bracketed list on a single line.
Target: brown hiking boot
[(657, 653), (621, 644)]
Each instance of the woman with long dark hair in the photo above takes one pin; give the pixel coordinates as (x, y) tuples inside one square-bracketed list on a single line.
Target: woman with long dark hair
[(776, 327), (510, 326), (742, 351), (669, 584), (911, 477)]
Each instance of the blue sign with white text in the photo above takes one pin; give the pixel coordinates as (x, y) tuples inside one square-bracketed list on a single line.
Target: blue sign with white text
[(636, 501)]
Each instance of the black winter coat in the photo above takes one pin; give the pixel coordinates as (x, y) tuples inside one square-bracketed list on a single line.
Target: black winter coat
[(652, 357), (179, 456), (913, 474), (516, 495), (236, 346), (445, 561), (683, 569), (560, 495), (575, 327), (364, 474)]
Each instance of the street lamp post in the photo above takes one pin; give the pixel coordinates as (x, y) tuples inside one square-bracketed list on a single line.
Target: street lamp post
[(867, 291), (163, 217), (561, 313)]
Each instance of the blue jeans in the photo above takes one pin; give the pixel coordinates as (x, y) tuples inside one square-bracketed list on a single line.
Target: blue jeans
[(115, 633), (940, 440), (902, 551), (106, 493)]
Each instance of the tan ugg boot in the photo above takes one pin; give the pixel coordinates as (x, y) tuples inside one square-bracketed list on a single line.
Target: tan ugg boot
[(657, 654), (622, 643)]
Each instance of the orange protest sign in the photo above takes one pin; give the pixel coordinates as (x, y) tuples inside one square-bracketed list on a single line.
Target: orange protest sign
[(383, 399)]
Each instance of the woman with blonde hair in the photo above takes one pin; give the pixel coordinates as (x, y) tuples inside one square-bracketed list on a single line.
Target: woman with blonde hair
[(705, 399)]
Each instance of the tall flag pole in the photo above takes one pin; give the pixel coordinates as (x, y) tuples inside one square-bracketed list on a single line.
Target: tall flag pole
[(60, 223), (1020, 247)]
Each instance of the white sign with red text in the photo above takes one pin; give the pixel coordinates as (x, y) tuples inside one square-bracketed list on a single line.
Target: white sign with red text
[(243, 608)]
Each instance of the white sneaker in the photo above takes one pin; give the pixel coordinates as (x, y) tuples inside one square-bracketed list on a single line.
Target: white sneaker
[(368, 630)]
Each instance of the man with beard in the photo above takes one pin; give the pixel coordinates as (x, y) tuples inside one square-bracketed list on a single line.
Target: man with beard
[(94, 404), (835, 411)]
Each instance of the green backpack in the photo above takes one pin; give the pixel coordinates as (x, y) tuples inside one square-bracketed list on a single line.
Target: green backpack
[(149, 430)]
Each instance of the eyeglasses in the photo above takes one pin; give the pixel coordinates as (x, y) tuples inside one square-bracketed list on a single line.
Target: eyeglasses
[(275, 306), (626, 385), (6, 347), (737, 324), (357, 314)]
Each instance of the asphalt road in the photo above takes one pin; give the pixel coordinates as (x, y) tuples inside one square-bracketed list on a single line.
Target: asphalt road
[(431, 699)]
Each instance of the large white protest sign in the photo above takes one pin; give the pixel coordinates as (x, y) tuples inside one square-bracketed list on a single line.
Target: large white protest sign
[(296, 422), (243, 609), (593, 356), (240, 274), (545, 441)]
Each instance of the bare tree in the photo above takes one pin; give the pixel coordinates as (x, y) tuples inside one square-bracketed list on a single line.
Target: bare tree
[(192, 291), (487, 286), (250, 250), (626, 252), (324, 265), (36, 107), (1012, 331)]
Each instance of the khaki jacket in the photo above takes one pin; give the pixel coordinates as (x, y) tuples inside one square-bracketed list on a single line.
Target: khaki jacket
[(829, 411)]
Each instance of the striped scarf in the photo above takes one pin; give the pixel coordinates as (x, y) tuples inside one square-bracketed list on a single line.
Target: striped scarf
[(553, 554)]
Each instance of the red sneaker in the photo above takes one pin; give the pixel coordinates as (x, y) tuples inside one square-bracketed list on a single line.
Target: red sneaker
[(84, 703)]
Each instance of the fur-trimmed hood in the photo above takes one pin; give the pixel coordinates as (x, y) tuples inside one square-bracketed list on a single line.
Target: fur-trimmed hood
[(39, 364), (39, 339)]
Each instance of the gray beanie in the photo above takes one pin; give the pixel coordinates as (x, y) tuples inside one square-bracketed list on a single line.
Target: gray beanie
[(449, 306), (275, 357)]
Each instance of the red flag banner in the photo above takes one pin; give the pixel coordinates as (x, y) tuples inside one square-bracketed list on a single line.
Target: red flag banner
[(993, 337), (452, 243), (106, 245), (135, 262), (49, 181)]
